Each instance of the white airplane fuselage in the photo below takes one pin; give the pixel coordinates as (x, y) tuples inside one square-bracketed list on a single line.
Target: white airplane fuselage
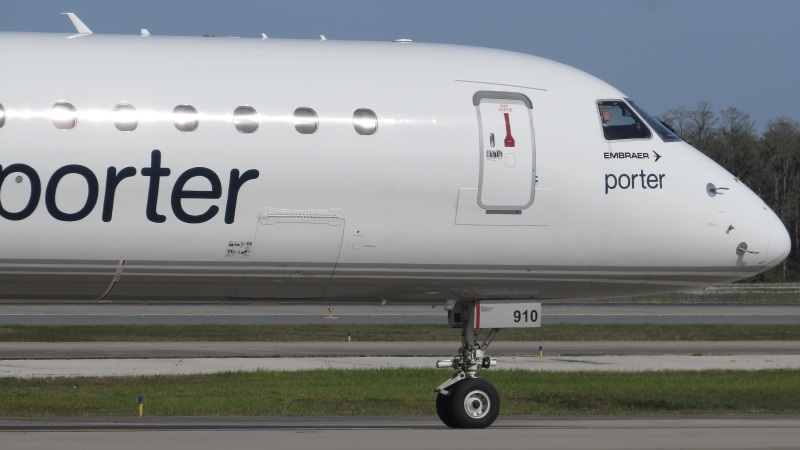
[(262, 202)]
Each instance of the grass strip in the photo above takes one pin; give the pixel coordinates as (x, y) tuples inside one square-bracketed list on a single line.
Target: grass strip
[(401, 392), (401, 332)]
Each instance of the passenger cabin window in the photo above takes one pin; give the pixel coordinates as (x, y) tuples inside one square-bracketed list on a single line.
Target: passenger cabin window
[(2, 115), (64, 116), (619, 121), (125, 118), (245, 119), (305, 121), (365, 122), (185, 118)]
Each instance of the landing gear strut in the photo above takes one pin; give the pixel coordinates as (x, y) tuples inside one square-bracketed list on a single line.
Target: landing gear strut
[(466, 401)]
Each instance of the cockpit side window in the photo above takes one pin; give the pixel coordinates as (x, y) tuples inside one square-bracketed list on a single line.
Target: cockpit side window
[(619, 122), (661, 130)]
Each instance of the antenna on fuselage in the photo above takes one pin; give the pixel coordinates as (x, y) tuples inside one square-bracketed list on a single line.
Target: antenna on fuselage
[(78, 23)]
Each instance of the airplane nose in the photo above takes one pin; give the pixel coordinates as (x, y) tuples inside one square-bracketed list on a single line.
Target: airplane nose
[(779, 242)]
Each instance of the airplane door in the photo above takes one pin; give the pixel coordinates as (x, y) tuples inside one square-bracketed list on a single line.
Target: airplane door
[(507, 150), (294, 254)]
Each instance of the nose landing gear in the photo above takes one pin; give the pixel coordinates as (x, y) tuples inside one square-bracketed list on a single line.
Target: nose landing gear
[(465, 400)]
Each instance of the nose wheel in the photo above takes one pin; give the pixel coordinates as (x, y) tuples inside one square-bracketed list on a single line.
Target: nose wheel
[(472, 403)]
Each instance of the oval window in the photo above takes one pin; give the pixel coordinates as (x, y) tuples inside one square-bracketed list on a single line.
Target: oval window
[(305, 121), (125, 117), (64, 116), (245, 119), (185, 118), (365, 122), (2, 116)]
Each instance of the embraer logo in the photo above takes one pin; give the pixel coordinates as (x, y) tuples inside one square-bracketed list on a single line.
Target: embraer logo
[(114, 177), (629, 155)]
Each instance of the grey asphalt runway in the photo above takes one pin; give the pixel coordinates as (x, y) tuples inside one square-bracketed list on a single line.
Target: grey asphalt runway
[(52, 359), (92, 313), (401, 433), (37, 368)]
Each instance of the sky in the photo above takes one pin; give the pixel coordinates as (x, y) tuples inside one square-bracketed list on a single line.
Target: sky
[(664, 54)]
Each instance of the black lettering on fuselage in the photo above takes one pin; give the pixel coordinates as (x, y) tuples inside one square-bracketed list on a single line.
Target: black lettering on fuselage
[(631, 181), (234, 185), (155, 172), (625, 155), (179, 193), (52, 187), (36, 191), (112, 181), (114, 178)]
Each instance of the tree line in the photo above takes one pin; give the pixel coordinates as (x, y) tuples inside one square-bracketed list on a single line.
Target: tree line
[(768, 162)]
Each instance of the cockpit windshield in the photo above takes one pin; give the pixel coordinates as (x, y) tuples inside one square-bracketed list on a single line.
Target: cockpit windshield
[(619, 122), (663, 132)]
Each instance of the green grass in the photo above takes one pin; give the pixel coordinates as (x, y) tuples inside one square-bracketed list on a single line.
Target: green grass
[(401, 392), (367, 333)]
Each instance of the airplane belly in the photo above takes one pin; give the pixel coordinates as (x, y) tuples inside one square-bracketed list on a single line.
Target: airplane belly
[(53, 280)]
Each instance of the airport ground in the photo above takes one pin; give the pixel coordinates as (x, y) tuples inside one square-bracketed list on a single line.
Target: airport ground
[(205, 357), (392, 432), (155, 313)]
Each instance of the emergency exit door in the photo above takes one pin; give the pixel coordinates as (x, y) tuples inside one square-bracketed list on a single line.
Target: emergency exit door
[(507, 150)]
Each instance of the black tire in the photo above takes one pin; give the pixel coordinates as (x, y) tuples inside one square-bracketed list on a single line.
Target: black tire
[(444, 409), (475, 404)]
